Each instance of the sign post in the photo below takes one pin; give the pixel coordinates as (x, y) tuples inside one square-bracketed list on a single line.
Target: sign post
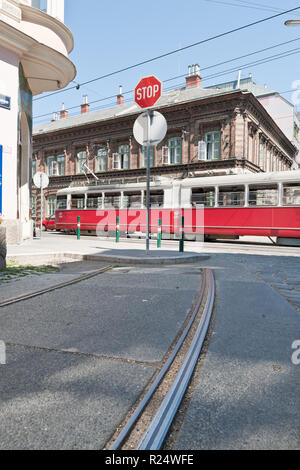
[(149, 129), (41, 181), (1, 150)]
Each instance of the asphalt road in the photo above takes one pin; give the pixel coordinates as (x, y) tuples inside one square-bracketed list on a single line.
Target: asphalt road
[(79, 358)]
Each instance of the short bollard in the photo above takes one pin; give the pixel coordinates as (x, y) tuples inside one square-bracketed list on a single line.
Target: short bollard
[(181, 242), (159, 234), (118, 230), (78, 228)]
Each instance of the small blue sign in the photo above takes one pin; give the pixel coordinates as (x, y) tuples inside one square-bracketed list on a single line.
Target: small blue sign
[(1, 153), (5, 102)]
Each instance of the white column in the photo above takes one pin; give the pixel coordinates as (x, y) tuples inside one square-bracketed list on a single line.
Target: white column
[(122, 200), (246, 195), (217, 196), (280, 194), (56, 8)]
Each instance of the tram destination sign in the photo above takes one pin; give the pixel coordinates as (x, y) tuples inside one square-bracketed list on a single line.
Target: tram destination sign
[(5, 101)]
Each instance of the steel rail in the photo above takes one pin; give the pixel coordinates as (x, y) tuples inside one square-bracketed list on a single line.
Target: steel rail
[(156, 432), (129, 425), (60, 285)]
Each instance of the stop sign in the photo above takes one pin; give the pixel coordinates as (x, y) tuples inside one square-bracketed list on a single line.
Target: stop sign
[(148, 91)]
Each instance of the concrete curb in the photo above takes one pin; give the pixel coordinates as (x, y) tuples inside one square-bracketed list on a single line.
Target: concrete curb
[(48, 258)]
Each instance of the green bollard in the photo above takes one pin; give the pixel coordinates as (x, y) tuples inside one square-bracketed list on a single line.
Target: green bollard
[(181, 242), (118, 230), (159, 234), (78, 228)]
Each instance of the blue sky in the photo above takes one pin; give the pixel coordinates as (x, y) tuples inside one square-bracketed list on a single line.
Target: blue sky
[(113, 34)]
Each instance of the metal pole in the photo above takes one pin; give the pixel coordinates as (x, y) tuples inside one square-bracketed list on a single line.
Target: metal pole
[(78, 227), (181, 242), (41, 181), (159, 230), (118, 230), (148, 181)]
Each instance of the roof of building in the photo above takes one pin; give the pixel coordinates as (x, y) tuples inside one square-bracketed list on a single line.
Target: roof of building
[(177, 96), (245, 84)]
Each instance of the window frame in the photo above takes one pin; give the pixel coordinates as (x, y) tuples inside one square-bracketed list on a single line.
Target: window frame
[(175, 148), (213, 142)]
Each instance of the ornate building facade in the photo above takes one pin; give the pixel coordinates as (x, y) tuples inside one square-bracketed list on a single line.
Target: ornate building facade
[(210, 132)]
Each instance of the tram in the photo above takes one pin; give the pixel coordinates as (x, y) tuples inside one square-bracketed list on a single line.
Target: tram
[(264, 204)]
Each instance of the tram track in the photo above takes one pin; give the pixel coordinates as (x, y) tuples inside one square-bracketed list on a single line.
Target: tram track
[(148, 424), (60, 285)]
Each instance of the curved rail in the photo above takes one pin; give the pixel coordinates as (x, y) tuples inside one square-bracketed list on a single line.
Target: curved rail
[(84, 277), (156, 432), (127, 428)]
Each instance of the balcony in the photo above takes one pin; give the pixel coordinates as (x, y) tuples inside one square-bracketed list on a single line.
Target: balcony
[(41, 40)]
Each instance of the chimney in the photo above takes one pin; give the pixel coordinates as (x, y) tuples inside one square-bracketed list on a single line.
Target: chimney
[(85, 107), (55, 117), (193, 79), (63, 112), (120, 97)]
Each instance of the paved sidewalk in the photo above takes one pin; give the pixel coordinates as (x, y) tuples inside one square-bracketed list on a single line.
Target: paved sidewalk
[(61, 246)]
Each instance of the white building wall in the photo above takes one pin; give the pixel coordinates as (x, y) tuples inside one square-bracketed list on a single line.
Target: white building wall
[(9, 86)]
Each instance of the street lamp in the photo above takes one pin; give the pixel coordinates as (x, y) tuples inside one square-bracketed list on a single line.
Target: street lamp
[(292, 23)]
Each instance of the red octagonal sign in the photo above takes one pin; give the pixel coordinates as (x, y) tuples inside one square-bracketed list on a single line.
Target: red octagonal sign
[(148, 91)]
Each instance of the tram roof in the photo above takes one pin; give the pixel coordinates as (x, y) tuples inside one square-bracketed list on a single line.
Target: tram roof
[(203, 181), (247, 178)]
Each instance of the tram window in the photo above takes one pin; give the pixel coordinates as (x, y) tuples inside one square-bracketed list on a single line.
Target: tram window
[(94, 201), (156, 199), (133, 200), (203, 196), (77, 201), (112, 201), (291, 194), (231, 196), (263, 195), (61, 202)]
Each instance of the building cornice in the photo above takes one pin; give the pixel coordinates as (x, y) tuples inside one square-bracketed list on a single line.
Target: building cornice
[(39, 61), (33, 15)]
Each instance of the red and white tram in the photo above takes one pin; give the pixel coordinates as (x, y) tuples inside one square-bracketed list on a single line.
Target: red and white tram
[(265, 204)]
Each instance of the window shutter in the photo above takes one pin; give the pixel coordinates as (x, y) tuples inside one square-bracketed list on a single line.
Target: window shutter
[(115, 158), (165, 155), (202, 150)]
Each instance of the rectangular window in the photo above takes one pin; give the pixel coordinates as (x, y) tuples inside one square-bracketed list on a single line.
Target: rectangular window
[(33, 204), (33, 168), (123, 152), (60, 165), (144, 157), (102, 159), (50, 166), (175, 150), (202, 150), (213, 145), (81, 160)]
